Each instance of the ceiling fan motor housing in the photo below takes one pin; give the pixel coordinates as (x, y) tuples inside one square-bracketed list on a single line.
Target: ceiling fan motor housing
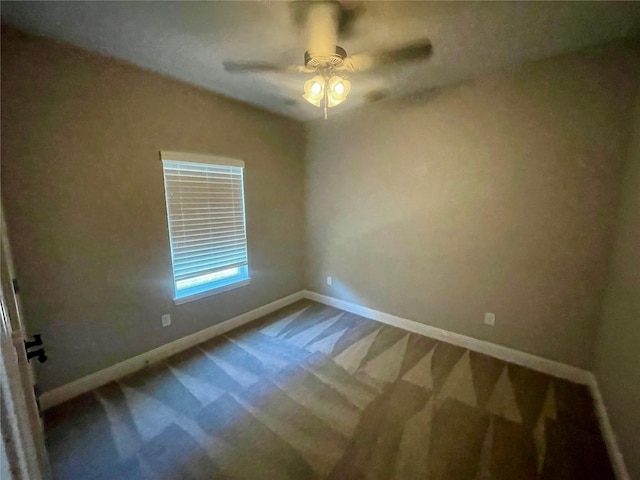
[(325, 61)]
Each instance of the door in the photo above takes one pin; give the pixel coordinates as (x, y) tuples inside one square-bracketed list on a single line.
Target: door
[(23, 448)]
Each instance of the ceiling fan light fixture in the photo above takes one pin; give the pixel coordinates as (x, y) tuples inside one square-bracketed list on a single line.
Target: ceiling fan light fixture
[(312, 100), (314, 90), (332, 102), (330, 92), (339, 88)]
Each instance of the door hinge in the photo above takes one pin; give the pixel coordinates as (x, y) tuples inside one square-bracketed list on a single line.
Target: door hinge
[(16, 286)]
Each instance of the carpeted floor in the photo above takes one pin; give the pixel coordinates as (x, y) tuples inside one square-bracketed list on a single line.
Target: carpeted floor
[(314, 392)]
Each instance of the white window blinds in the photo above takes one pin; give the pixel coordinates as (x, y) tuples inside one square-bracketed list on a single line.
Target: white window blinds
[(205, 211)]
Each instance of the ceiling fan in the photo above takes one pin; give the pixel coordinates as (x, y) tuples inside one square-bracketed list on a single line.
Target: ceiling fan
[(328, 61)]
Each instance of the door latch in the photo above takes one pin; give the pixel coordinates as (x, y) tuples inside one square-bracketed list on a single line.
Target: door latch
[(39, 354)]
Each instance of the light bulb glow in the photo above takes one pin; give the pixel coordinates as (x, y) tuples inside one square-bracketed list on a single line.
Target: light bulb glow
[(316, 88), (339, 88)]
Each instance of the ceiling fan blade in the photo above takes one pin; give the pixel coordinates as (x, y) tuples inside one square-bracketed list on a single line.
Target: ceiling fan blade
[(258, 67), (416, 51), (348, 12)]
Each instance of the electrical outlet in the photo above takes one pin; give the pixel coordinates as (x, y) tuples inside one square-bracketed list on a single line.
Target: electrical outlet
[(329, 280), (490, 318), (166, 320)]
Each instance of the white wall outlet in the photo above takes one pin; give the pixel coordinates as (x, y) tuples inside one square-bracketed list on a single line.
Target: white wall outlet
[(166, 320), (329, 280), (490, 318)]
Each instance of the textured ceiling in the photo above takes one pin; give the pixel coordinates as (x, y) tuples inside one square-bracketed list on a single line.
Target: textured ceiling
[(189, 40)]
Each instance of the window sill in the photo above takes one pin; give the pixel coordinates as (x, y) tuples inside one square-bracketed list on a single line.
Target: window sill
[(214, 291)]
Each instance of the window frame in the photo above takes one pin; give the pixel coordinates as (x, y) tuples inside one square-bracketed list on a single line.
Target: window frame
[(242, 278)]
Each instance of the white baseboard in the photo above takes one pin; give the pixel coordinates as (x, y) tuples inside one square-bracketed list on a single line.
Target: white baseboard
[(534, 362), (85, 384), (608, 434)]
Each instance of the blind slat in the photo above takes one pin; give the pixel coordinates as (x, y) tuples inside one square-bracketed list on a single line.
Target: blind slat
[(205, 239), (204, 205), (190, 276), (204, 213), (186, 254), (187, 271), (202, 176), (180, 252), (197, 261), (184, 227), (187, 232), (177, 182)]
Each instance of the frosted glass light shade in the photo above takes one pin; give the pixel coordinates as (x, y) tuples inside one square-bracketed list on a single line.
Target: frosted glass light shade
[(339, 88), (314, 90)]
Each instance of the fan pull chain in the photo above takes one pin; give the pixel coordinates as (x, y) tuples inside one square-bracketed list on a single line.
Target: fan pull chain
[(326, 103)]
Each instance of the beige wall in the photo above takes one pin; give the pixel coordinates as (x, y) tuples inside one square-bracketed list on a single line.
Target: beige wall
[(617, 366), (83, 191), (497, 195)]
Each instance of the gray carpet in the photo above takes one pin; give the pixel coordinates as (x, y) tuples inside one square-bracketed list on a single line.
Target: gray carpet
[(313, 392)]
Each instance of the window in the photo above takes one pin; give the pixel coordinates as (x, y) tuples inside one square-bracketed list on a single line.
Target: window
[(205, 212)]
